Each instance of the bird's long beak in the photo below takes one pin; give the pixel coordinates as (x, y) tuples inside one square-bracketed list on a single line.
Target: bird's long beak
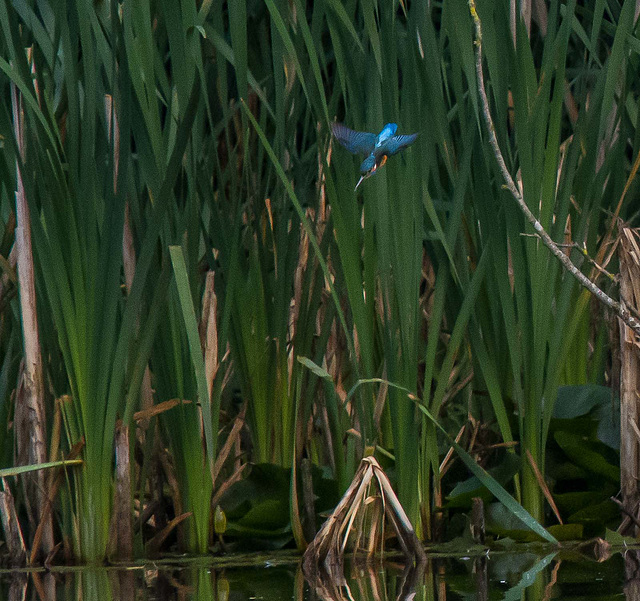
[(359, 182)]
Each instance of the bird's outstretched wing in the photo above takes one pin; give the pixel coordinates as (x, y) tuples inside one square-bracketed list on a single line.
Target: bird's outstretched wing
[(354, 141), (397, 143)]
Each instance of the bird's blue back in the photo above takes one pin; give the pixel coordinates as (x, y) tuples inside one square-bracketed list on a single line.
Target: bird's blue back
[(387, 131)]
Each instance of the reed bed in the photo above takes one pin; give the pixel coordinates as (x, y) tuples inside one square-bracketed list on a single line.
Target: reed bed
[(207, 280)]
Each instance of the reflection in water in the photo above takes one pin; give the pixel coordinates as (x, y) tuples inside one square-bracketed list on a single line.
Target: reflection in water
[(632, 574), (498, 576), (17, 588), (482, 578), (368, 581)]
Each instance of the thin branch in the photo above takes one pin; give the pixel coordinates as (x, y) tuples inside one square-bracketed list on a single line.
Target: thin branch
[(619, 309)]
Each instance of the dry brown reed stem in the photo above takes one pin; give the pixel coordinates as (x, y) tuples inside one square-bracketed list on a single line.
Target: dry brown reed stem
[(172, 482), (226, 485), (122, 518), (309, 524), (629, 253), (30, 413), (477, 522), (209, 330), (55, 483), (223, 453), (154, 545), (232, 441), (543, 486), (520, 11), (609, 245), (623, 313), (128, 248), (11, 526)]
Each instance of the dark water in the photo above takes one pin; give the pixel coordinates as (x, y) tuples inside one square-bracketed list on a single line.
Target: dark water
[(505, 576)]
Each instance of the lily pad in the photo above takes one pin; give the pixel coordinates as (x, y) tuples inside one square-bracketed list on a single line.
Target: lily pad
[(575, 401), (588, 454), (571, 502)]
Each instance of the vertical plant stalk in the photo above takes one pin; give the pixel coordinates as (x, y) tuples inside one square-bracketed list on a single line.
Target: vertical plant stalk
[(482, 578), (622, 311), (629, 253), (520, 10), (31, 434), (122, 524), (129, 267), (128, 249), (477, 524), (55, 481), (209, 412), (11, 526)]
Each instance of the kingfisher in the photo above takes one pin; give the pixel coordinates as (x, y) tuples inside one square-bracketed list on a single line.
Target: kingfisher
[(377, 147)]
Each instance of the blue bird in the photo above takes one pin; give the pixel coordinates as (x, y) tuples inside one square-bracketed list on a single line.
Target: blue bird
[(377, 148)]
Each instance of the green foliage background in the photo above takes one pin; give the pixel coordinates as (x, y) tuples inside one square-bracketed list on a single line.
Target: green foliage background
[(425, 278)]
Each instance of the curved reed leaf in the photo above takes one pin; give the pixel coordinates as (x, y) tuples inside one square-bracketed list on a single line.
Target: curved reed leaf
[(209, 413)]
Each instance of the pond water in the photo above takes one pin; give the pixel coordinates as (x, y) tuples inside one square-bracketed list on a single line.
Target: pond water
[(498, 576)]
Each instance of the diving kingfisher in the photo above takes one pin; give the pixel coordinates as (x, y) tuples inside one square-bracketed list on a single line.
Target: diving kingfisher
[(377, 147)]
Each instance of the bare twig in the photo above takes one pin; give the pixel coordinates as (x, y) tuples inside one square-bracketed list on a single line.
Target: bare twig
[(583, 251), (510, 185), (626, 511)]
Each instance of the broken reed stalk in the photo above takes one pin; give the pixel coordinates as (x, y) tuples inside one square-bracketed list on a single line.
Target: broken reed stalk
[(620, 309), (30, 412), (477, 521), (327, 550), (122, 518), (11, 526), (629, 254)]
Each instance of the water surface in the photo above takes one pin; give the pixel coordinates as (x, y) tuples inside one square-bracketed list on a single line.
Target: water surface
[(498, 576)]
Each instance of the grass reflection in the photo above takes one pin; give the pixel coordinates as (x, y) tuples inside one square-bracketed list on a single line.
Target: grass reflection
[(496, 575)]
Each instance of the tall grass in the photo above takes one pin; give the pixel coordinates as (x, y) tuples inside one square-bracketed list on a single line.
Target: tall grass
[(211, 124)]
